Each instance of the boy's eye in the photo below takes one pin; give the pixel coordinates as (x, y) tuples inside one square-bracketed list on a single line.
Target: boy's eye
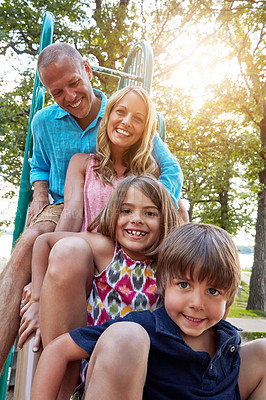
[(213, 292), (183, 285)]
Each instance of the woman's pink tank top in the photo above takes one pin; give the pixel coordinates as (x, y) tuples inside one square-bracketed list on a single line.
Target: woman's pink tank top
[(96, 194)]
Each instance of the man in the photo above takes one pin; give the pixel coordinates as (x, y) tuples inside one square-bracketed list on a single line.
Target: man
[(59, 131)]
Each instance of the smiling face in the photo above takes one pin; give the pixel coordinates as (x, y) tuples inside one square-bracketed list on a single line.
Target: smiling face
[(194, 306), (68, 82), (126, 122), (138, 224)]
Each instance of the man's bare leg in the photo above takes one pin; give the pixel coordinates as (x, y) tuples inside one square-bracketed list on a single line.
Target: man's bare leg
[(16, 274), (118, 365)]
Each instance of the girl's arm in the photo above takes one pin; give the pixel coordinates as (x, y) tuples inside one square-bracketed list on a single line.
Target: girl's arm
[(52, 366), (183, 211), (72, 215), (30, 312), (102, 248)]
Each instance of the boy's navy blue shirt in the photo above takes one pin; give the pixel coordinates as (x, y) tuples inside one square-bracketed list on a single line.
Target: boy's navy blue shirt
[(175, 371)]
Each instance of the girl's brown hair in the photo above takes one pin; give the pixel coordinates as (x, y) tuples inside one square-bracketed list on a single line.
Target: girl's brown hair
[(154, 190)]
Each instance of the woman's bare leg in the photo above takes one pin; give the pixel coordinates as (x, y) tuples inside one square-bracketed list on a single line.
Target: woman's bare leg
[(118, 365)]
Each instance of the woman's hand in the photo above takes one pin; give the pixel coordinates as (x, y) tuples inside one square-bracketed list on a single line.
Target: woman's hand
[(30, 323)]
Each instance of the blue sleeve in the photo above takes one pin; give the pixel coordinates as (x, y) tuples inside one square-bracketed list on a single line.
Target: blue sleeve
[(171, 173), (39, 163)]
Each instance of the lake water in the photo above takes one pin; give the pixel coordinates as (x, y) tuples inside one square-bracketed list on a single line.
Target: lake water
[(246, 260)]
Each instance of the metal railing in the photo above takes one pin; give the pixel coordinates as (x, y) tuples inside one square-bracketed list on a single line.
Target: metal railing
[(25, 187), (138, 70)]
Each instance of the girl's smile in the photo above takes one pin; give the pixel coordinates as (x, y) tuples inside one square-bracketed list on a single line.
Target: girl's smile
[(138, 224)]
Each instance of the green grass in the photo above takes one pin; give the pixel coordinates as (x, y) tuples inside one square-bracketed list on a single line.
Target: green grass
[(247, 336), (238, 308)]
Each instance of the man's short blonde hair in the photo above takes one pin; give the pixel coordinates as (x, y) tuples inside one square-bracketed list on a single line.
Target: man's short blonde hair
[(50, 54)]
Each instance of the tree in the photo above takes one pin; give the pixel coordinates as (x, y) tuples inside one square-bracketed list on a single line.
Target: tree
[(241, 27), (103, 32), (220, 140), (245, 34), (210, 147)]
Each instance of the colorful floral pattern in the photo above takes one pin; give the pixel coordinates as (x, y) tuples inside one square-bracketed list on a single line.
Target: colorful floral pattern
[(125, 285)]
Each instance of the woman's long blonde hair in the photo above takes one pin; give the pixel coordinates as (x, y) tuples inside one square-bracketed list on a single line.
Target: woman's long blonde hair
[(138, 159)]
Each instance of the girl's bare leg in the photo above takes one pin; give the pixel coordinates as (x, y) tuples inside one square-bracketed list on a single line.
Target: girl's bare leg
[(118, 365), (63, 303), (252, 376)]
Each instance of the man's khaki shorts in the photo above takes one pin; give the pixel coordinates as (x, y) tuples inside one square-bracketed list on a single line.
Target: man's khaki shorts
[(50, 212)]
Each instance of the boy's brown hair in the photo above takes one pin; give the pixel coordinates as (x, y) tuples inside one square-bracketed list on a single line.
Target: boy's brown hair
[(204, 248)]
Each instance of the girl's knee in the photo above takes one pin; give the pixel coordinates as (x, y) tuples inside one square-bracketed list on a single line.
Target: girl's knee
[(69, 259)]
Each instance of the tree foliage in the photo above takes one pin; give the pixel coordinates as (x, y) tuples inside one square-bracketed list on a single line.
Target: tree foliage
[(217, 131)]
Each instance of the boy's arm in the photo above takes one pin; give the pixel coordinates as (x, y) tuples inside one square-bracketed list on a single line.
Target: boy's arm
[(171, 173), (52, 366), (72, 215)]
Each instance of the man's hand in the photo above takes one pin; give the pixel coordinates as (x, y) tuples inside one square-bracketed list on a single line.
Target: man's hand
[(40, 199)]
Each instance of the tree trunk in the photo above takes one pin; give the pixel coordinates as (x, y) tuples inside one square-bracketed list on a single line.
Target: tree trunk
[(190, 211), (257, 298), (257, 290), (223, 196)]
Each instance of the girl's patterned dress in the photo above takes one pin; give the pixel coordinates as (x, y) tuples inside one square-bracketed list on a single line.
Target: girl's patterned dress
[(125, 285)]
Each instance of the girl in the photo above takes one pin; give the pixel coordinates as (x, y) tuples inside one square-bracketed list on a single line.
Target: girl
[(138, 216)]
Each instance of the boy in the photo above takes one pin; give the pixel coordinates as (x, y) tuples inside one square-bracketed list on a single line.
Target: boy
[(184, 350)]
